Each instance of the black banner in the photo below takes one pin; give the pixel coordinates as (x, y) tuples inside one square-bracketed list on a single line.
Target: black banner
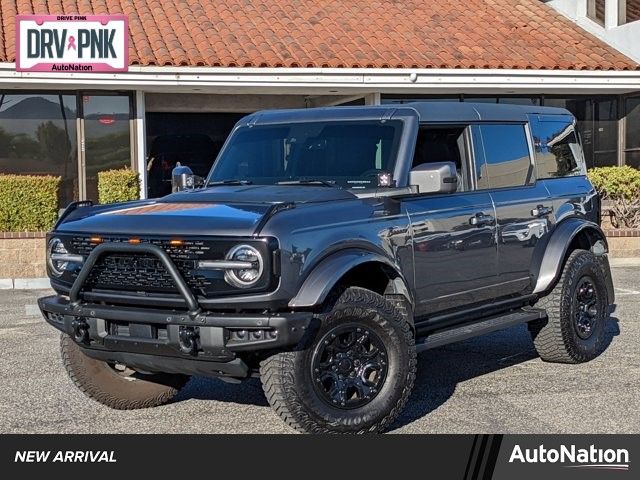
[(467, 457)]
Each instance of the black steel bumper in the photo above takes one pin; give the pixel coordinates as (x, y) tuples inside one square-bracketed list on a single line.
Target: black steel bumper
[(162, 340), (169, 341)]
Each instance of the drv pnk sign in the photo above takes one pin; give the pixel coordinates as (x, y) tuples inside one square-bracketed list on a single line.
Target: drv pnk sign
[(72, 43)]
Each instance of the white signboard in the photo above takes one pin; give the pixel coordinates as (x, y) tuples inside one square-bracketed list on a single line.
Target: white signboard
[(72, 43)]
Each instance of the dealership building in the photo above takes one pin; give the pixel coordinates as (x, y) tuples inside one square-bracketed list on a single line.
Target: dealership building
[(193, 68)]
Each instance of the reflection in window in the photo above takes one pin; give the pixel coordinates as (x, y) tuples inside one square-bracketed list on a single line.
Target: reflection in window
[(506, 156), (38, 137), (107, 136), (267, 155), (595, 10), (556, 148), (632, 11)]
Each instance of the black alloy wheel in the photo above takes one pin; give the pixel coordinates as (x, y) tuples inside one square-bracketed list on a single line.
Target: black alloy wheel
[(586, 307), (349, 366)]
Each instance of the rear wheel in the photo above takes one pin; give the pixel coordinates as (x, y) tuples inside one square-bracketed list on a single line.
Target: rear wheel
[(116, 385), (574, 331), (356, 374)]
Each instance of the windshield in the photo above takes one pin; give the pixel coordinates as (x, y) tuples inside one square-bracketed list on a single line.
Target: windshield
[(348, 154)]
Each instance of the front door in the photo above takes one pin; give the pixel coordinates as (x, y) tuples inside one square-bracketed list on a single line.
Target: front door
[(107, 137), (454, 250)]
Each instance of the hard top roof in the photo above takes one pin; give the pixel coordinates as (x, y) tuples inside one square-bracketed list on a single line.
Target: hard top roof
[(428, 112)]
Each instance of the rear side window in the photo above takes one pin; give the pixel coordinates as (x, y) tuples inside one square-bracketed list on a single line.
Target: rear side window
[(502, 156), (557, 151)]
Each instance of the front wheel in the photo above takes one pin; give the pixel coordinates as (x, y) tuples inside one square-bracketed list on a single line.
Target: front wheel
[(574, 330), (114, 385), (355, 376)]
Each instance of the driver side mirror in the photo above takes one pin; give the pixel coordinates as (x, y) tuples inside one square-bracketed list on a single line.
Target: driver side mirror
[(182, 178), (436, 177)]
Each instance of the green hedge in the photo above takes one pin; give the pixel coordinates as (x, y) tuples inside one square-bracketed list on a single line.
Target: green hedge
[(120, 185), (28, 203), (620, 188)]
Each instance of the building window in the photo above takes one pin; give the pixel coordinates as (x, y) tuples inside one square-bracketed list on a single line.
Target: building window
[(632, 11), (595, 11), (38, 137), (400, 99), (632, 130), (193, 139), (597, 125)]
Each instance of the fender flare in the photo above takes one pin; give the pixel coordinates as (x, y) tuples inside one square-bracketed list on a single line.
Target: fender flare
[(547, 270), (324, 276)]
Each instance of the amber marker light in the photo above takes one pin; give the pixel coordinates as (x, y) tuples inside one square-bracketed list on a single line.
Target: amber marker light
[(95, 240), (134, 241), (176, 243)]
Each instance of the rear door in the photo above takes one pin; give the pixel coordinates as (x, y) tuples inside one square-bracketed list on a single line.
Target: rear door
[(504, 167)]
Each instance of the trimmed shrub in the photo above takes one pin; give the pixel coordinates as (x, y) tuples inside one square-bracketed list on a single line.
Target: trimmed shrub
[(121, 185), (620, 188), (28, 203)]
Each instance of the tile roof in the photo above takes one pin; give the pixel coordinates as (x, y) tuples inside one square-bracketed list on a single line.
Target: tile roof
[(520, 34)]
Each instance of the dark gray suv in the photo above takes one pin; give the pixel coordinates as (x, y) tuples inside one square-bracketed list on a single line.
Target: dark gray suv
[(326, 248)]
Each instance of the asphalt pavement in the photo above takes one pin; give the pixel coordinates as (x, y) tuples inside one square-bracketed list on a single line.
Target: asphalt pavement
[(491, 384)]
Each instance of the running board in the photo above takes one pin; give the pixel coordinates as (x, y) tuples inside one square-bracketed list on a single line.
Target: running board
[(478, 328)]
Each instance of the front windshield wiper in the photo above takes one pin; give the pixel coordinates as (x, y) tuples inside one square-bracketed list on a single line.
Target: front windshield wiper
[(230, 181), (309, 182)]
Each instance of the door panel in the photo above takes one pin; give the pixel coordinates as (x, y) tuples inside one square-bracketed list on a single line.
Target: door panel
[(525, 216), (454, 250)]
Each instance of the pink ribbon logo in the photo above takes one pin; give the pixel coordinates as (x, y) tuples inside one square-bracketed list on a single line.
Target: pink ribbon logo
[(72, 43)]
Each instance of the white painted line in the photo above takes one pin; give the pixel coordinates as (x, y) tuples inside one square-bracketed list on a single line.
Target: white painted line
[(626, 291), (31, 310), (6, 283), (31, 283), (624, 262)]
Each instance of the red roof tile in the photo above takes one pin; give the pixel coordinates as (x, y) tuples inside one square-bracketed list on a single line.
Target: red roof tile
[(522, 34)]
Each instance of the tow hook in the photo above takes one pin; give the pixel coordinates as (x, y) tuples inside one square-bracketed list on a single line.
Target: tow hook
[(80, 330), (189, 337)]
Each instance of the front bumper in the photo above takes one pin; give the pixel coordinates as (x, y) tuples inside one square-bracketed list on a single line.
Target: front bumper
[(170, 341)]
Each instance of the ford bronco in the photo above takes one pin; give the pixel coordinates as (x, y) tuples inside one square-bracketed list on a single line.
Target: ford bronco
[(325, 249)]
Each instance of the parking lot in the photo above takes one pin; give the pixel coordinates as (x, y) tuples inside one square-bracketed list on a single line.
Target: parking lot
[(491, 384)]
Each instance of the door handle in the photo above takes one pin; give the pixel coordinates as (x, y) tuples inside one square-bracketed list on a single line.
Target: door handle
[(541, 211), (480, 220)]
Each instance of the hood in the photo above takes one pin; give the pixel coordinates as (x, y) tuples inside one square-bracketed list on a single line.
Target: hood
[(221, 210)]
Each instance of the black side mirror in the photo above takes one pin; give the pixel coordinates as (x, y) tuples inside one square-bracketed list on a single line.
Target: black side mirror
[(182, 178), (436, 177)]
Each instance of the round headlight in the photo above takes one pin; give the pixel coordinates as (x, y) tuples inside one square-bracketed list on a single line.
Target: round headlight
[(244, 277), (57, 267)]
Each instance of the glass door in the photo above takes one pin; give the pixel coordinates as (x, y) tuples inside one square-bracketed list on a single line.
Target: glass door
[(106, 137)]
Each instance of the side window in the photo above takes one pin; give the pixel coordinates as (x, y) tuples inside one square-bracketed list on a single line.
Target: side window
[(557, 151), (502, 156), (443, 144)]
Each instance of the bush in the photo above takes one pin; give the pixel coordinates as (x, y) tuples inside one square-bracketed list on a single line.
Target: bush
[(620, 187), (28, 203), (120, 185)]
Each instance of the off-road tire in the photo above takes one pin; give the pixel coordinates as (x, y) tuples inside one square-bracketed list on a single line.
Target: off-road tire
[(555, 337), (287, 376), (100, 382)]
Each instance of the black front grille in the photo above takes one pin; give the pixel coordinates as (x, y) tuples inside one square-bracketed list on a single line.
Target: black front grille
[(146, 273)]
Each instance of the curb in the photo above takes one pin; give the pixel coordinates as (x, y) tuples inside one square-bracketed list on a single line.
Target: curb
[(24, 284)]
